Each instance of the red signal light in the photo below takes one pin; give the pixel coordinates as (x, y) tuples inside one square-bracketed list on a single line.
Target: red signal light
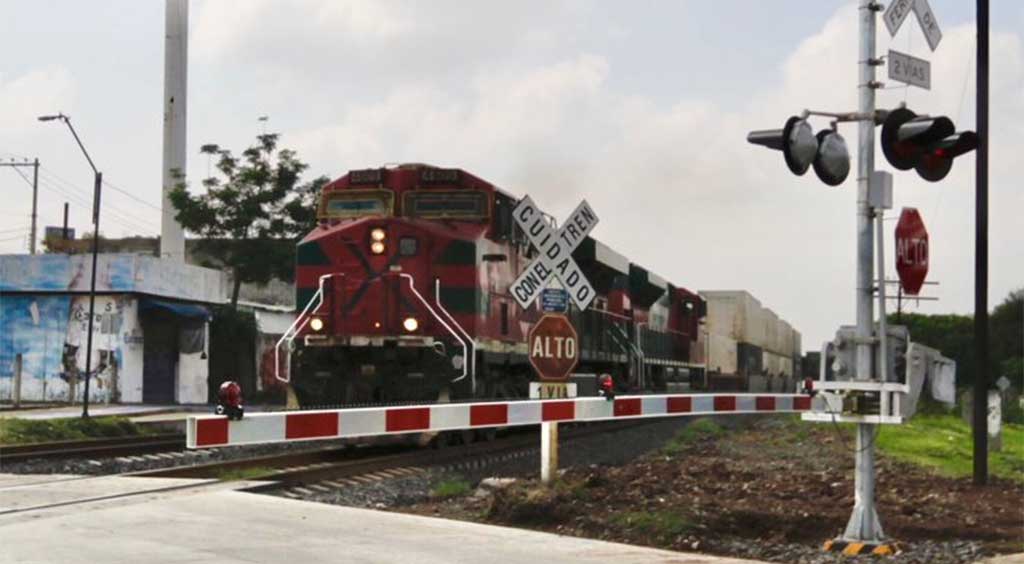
[(229, 397), (606, 386)]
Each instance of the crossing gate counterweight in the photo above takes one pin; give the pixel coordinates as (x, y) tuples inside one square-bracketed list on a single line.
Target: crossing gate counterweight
[(256, 428)]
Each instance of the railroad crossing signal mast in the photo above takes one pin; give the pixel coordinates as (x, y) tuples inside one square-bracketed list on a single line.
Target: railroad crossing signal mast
[(872, 374)]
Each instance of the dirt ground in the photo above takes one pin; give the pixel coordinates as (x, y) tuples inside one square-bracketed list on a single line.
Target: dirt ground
[(776, 482)]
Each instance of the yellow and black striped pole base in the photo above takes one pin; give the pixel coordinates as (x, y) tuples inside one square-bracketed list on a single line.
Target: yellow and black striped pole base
[(850, 548)]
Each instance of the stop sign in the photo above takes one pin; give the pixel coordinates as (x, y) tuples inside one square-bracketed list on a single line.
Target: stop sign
[(911, 251), (554, 348)]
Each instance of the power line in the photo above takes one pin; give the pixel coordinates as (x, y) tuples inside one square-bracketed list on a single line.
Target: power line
[(115, 215), (119, 216)]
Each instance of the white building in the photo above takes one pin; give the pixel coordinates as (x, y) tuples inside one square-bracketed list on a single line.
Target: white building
[(150, 328)]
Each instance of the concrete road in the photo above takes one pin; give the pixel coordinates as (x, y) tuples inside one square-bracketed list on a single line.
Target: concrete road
[(208, 524)]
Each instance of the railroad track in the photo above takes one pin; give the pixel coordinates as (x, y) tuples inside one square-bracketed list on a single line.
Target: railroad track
[(301, 474), (338, 467), (92, 448)]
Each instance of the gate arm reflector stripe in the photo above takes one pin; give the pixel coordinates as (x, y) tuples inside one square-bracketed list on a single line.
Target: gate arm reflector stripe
[(288, 426)]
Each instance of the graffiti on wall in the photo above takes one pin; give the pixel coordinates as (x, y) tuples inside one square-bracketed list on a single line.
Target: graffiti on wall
[(50, 334)]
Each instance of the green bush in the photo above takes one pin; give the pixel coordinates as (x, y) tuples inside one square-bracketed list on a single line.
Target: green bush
[(699, 430), (20, 431), (451, 487), (664, 523)]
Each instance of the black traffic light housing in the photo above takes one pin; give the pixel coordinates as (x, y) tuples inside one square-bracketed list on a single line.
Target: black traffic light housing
[(801, 149), (926, 144)]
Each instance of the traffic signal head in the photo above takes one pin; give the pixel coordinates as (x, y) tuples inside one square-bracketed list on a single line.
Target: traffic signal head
[(927, 144), (936, 162), (832, 163), (801, 148)]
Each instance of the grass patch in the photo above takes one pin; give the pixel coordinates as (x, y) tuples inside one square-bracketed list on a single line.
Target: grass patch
[(698, 430), (664, 523), (20, 431), (234, 474), (451, 487), (944, 442)]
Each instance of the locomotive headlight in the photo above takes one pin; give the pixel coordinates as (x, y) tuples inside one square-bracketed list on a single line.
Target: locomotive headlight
[(377, 247), (316, 324), (377, 234), (411, 324)]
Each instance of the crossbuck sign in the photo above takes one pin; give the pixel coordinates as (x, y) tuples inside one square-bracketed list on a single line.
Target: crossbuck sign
[(555, 253)]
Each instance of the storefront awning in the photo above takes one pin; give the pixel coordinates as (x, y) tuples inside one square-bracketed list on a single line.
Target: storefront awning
[(188, 311)]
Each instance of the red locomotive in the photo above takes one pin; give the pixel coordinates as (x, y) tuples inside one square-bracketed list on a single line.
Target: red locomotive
[(405, 286)]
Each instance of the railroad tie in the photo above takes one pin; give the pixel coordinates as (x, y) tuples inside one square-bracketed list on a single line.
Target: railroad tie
[(320, 488), (333, 484), (301, 490)]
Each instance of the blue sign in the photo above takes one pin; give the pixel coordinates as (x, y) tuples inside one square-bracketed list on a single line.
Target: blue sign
[(554, 300)]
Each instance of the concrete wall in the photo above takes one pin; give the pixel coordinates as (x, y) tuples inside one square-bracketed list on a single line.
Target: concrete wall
[(122, 273), (50, 332)]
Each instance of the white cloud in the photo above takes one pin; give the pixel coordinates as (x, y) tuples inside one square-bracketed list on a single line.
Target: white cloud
[(32, 94), (677, 187)]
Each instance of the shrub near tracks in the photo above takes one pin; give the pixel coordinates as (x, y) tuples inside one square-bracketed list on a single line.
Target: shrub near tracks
[(19, 431)]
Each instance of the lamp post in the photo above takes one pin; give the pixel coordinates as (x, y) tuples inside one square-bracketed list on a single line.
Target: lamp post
[(95, 252)]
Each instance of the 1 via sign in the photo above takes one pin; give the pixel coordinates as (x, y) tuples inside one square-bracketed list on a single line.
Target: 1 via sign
[(911, 251), (555, 253), (553, 347)]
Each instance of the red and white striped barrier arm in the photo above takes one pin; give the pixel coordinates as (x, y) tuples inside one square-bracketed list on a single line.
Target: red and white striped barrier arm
[(256, 428)]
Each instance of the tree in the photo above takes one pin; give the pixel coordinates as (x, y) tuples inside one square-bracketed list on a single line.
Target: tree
[(253, 212), (953, 336), (1007, 338)]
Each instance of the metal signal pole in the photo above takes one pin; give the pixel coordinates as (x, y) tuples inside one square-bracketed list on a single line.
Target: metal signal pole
[(981, 256), (864, 524)]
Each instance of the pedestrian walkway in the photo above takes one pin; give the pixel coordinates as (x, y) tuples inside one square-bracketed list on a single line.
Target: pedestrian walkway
[(102, 410), (213, 525)]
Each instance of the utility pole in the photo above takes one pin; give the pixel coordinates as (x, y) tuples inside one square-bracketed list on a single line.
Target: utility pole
[(35, 203), (64, 235), (981, 256), (35, 197), (175, 101)]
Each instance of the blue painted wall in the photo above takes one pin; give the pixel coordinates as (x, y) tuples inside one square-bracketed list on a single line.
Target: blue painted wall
[(37, 335)]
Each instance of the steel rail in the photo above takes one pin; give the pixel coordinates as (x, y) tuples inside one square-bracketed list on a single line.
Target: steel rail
[(117, 446)]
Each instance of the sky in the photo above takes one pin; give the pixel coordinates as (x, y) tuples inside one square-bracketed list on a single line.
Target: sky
[(642, 108)]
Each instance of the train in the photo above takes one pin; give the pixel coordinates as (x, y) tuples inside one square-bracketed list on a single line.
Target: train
[(404, 294)]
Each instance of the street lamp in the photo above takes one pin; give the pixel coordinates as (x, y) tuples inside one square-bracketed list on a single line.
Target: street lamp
[(95, 252)]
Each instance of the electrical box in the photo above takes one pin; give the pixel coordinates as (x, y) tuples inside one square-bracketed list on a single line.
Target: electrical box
[(898, 373)]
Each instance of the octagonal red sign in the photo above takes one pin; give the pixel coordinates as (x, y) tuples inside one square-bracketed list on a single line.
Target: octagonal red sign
[(911, 251), (553, 348)]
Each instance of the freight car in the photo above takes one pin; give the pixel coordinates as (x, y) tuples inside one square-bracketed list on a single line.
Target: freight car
[(749, 348), (405, 289)]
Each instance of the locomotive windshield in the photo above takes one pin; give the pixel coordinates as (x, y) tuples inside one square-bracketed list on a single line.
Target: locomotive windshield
[(446, 205), (356, 203)]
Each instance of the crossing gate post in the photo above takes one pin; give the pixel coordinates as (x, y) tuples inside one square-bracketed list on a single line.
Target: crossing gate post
[(548, 451)]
